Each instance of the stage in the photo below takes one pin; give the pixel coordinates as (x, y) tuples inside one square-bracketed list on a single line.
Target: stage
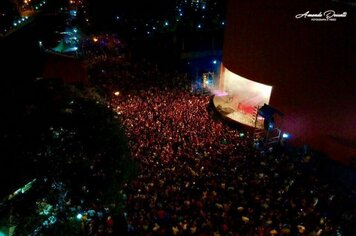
[(229, 107)]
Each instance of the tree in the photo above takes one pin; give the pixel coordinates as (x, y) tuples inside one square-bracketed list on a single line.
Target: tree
[(61, 134)]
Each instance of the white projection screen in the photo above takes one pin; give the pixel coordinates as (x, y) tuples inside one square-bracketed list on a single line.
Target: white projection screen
[(245, 92)]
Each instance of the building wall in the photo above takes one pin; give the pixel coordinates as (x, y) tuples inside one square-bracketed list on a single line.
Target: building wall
[(310, 64)]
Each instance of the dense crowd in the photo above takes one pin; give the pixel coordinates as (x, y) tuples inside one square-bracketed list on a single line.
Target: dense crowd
[(198, 176)]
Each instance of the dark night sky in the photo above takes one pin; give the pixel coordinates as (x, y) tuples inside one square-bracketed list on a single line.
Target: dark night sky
[(132, 8)]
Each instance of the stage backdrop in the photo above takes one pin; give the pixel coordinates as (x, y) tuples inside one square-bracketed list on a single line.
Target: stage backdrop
[(246, 93)]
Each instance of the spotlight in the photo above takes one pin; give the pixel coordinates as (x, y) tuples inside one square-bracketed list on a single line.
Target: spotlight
[(79, 216), (285, 135)]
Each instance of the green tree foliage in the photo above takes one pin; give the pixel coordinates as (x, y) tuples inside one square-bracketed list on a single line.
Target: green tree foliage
[(60, 132)]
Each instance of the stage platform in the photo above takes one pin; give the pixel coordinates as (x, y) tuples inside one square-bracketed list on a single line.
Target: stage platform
[(230, 108)]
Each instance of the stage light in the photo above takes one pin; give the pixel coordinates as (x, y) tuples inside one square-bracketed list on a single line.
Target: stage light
[(79, 216), (285, 135), (73, 13), (117, 93), (242, 135), (214, 62)]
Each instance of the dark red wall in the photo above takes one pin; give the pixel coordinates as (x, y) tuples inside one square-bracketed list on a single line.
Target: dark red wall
[(311, 66)]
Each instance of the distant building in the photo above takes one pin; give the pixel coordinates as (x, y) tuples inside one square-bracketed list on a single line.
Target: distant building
[(306, 51)]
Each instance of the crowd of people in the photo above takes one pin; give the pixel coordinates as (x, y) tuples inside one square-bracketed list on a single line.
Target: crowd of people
[(199, 176)]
